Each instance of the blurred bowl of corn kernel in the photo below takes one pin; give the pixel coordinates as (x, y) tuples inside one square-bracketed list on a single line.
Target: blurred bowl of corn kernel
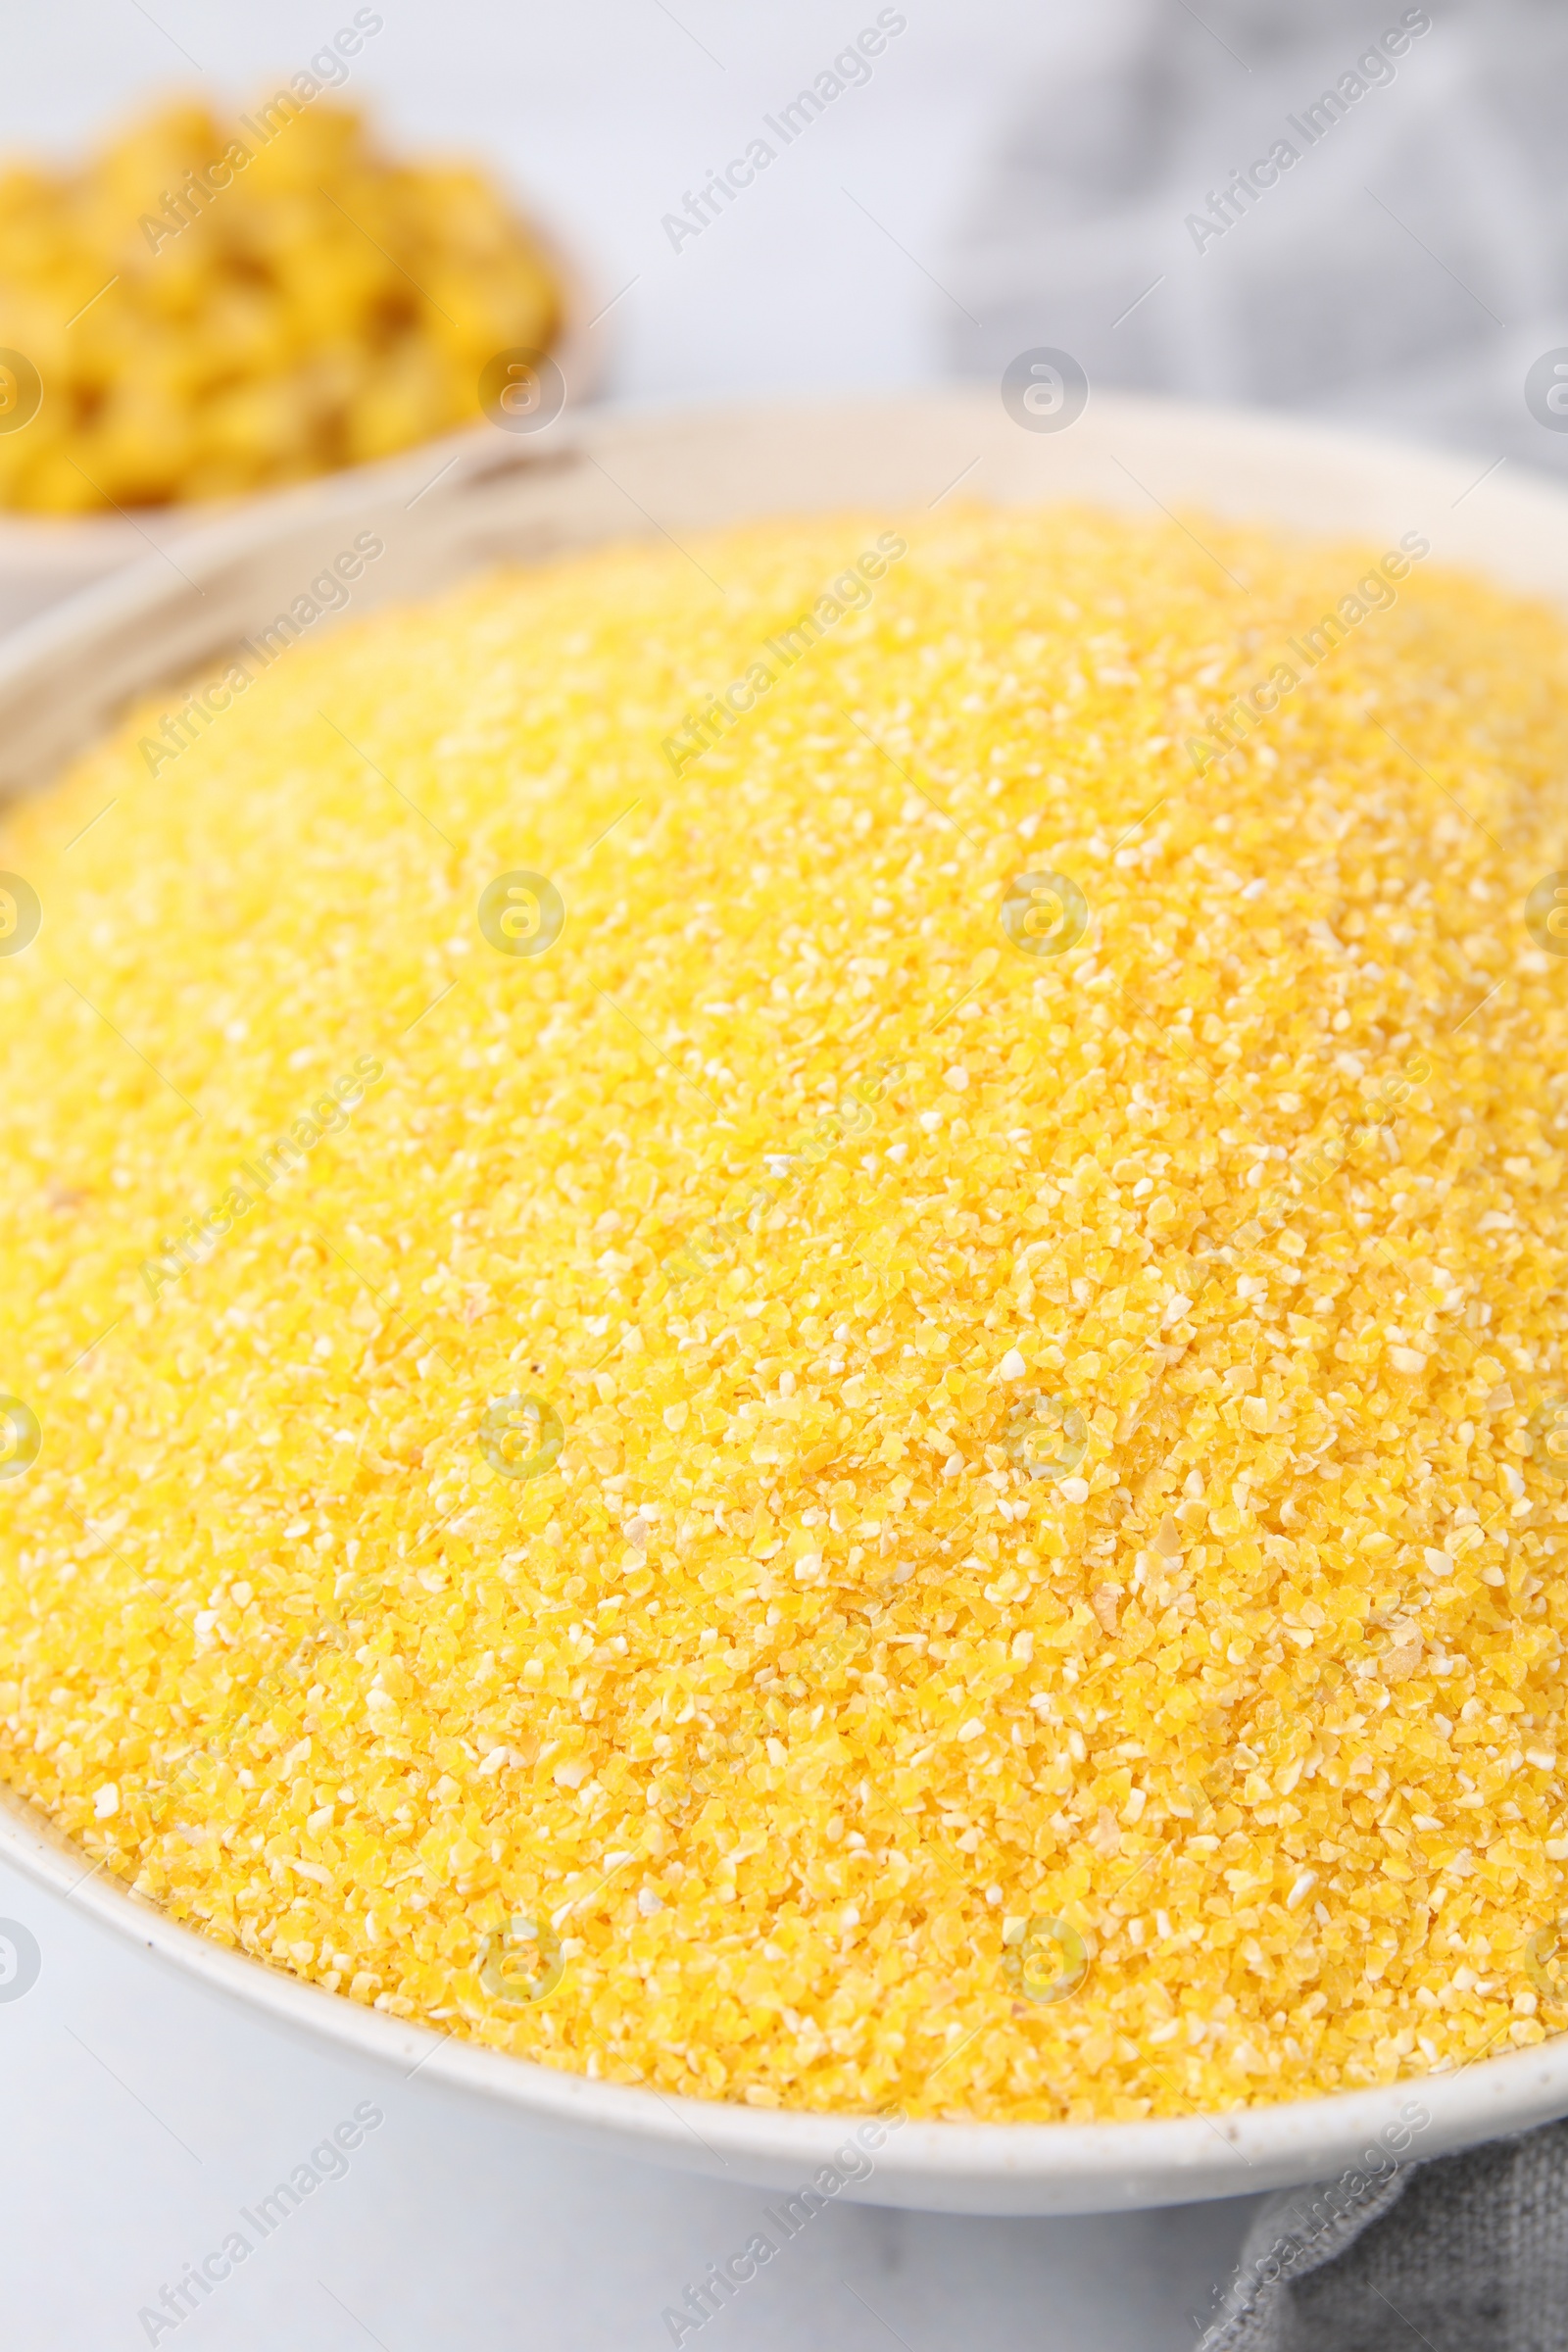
[(205, 311)]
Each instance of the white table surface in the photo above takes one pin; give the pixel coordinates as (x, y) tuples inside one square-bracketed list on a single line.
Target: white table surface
[(141, 2116)]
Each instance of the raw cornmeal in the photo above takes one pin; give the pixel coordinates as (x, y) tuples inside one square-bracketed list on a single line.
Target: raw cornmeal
[(824, 1660)]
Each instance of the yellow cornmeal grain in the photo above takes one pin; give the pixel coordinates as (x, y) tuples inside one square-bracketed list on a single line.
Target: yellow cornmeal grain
[(786, 1693)]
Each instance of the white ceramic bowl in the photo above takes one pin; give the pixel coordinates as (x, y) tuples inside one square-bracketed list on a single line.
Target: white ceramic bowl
[(608, 476), (46, 557)]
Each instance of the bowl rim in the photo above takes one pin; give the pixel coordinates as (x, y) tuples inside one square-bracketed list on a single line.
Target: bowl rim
[(960, 2167), (957, 2166)]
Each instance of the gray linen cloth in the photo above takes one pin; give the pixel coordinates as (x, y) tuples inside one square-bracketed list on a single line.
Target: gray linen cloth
[(1462, 2254), (1402, 274)]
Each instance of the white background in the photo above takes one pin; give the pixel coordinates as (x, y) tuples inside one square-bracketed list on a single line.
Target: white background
[(607, 111), (139, 2115)]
